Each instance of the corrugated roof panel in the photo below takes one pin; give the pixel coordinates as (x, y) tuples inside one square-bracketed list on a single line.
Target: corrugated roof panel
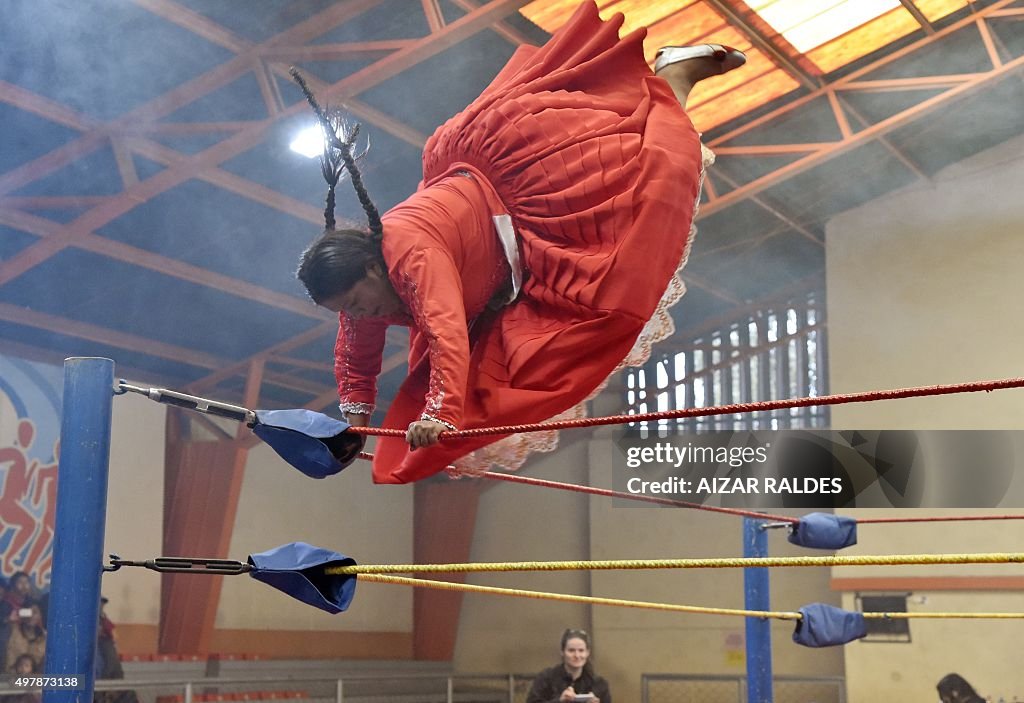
[(644, 13), (937, 9), (757, 65), (697, 24), (746, 97), (879, 32), (808, 24)]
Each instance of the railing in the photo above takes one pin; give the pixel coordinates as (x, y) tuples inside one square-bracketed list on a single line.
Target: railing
[(679, 688), (351, 688), (427, 688)]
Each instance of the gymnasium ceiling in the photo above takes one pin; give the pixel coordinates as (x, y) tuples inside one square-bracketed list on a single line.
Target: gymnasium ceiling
[(152, 212)]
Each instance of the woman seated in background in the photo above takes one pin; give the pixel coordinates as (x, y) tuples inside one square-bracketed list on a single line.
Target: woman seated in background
[(953, 688), (574, 678)]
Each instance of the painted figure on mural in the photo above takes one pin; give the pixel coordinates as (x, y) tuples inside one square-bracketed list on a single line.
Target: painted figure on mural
[(44, 501), (27, 505), (16, 489), (30, 402)]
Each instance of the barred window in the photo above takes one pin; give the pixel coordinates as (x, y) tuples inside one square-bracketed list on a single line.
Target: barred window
[(773, 353)]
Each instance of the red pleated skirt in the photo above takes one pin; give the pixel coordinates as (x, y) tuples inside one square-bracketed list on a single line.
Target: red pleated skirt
[(599, 167)]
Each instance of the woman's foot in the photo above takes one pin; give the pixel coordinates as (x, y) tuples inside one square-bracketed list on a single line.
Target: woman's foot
[(725, 58), (685, 66)]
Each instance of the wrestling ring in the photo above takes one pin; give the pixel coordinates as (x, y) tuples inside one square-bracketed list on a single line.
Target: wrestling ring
[(327, 579)]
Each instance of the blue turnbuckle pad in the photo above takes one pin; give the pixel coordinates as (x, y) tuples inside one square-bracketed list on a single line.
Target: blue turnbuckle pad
[(824, 531), (315, 444), (298, 570), (826, 626)]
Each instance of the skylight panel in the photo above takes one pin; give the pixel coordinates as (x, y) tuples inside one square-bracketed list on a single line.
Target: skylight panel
[(807, 24)]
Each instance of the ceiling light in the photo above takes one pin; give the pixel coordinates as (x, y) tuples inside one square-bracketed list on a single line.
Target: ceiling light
[(309, 142)]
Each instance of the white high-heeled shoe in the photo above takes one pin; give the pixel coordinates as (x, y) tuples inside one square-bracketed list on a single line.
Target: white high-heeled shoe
[(728, 57)]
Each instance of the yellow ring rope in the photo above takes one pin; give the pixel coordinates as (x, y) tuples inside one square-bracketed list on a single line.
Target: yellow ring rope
[(727, 563), (692, 609), (516, 592), (935, 616)]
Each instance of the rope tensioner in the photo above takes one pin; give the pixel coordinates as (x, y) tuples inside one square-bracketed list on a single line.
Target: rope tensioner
[(190, 402), (315, 444), (183, 565)]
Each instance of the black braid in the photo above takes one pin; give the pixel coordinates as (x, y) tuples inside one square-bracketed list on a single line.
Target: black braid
[(320, 114), (332, 169), (372, 216), (329, 221)]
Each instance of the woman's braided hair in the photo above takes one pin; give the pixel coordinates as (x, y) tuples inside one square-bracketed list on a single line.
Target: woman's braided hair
[(337, 259), (338, 157)]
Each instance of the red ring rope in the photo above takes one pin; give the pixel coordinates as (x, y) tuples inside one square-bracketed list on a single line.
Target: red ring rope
[(576, 488), (941, 518), (546, 483), (836, 399), (515, 478)]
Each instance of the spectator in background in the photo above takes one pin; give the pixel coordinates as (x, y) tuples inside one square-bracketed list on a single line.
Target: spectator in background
[(20, 593), (108, 660), (43, 601), (574, 678), (953, 688), (27, 636), (24, 665), (5, 619)]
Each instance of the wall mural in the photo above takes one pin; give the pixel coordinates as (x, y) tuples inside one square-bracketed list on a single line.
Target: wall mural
[(30, 402)]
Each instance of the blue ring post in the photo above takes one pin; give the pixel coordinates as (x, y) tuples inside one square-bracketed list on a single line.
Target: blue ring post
[(73, 619), (759, 632)]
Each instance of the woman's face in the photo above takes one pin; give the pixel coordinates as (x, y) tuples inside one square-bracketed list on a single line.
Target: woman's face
[(372, 296), (575, 653), (21, 585)]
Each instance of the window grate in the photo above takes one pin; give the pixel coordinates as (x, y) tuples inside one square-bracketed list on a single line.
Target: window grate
[(774, 353)]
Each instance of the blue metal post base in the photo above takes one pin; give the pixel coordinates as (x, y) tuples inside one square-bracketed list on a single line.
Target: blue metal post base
[(73, 617)]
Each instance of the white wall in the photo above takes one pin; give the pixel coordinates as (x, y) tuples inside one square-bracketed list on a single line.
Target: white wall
[(515, 522), (346, 513), (135, 506), (924, 287)]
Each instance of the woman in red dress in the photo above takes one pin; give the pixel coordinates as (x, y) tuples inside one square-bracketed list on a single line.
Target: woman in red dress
[(553, 213)]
